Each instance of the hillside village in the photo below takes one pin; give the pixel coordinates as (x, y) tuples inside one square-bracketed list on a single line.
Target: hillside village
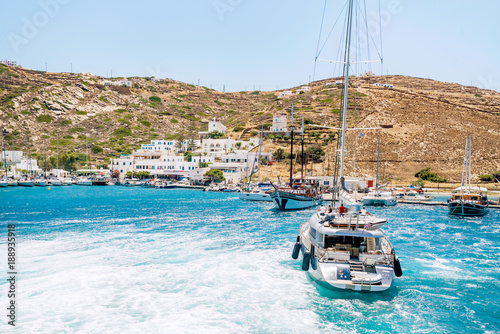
[(147, 124)]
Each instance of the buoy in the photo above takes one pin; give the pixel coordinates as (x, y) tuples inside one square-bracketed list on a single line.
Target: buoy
[(49, 188), (306, 258), (397, 268)]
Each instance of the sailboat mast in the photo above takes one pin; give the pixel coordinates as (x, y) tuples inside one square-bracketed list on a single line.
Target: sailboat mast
[(260, 147), (44, 161), (470, 160), (3, 152), (378, 158), (291, 150), (57, 153), (346, 86), (302, 158), (28, 160)]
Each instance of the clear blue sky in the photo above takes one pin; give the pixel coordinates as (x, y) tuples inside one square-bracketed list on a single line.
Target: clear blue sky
[(247, 44)]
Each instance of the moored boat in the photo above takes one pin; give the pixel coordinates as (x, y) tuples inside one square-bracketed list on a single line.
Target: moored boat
[(379, 198)]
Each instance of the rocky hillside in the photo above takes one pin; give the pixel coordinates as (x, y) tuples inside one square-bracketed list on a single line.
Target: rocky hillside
[(424, 122)]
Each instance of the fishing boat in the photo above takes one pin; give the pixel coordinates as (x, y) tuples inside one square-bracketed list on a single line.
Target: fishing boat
[(165, 184), (467, 200), (345, 248), (132, 182), (298, 193)]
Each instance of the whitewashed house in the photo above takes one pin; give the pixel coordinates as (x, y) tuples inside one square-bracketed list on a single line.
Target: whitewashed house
[(214, 125), (279, 123)]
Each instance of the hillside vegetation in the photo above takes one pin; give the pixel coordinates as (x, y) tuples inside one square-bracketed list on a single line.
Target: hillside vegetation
[(424, 122)]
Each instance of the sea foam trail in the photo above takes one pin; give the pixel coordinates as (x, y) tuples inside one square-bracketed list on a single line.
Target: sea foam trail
[(138, 260)]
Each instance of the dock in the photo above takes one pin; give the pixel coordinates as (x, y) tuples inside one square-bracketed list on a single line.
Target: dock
[(435, 203)]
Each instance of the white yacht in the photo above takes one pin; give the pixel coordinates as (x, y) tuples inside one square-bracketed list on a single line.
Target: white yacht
[(83, 181), (412, 195), (255, 195), (132, 182), (4, 183), (67, 181), (54, 182), (347, 251), (40, 182), (12, 182), (25, 182), (379, 198)]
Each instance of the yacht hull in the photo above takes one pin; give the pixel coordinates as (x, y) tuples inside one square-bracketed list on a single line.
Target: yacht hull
[(467, 209), (255, 197), (287, 201), (4, 184), (379, 202), (25, 183)]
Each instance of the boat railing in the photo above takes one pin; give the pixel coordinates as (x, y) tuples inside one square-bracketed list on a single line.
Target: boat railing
[(347, 221)]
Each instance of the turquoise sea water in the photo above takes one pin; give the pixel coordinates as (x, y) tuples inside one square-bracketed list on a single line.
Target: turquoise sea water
[(135, 260)]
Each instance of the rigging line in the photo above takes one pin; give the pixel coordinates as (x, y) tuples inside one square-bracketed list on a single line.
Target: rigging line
[(319, 38), (367, 44), (370, 37), (331, 30), (339, 51), (380, 33)]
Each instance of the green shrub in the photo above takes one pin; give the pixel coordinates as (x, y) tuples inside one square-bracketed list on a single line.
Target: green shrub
[(255, 92), (145, 123), (426, 175), (238, 129), (120, 110), (103, 99), (77, 130), (122, 132), (486, 177), (80, 112), (44, 119), (155, 99), (66, 122), (173, 120), (96, 149), (25, 112)]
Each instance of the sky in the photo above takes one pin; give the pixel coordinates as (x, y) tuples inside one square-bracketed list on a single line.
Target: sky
[(236, 45)]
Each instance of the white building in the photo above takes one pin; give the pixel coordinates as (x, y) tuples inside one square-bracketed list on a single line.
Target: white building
[(11, 157), (214, 125), (116, 83), (279, 123), (28, 166), (367, 74), (304, 89), (8, 62), (172, 145), (285, 93), (219, 147)]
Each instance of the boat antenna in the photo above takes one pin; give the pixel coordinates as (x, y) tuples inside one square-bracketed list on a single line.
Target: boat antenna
[(291, 150)]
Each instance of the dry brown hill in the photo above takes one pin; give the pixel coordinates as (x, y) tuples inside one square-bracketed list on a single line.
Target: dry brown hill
[(425, 122)]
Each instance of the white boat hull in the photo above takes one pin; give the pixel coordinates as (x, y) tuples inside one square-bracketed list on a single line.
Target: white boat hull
[(260, 196), (13, 183), (25, 183), (4, 184)]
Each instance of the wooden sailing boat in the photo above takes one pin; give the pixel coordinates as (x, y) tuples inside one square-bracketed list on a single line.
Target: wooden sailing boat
[(298, 194), (467, 200)]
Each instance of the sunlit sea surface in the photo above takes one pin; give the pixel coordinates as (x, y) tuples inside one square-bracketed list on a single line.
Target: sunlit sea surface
[(140, 260)]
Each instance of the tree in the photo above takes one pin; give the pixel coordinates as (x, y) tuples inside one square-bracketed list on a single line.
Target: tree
[(426, 175), (315, 152), (188, 156), (215, 174), (279, 154), (215, 134), (96, 149)]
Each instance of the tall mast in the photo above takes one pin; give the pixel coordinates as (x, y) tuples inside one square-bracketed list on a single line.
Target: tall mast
[(346, 86), (291, 150), (4, 155), (87, 147), (28, 160), (260, 146), (470, 160), (378, 159), (44, 163), (302, 158), (58, 154)]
